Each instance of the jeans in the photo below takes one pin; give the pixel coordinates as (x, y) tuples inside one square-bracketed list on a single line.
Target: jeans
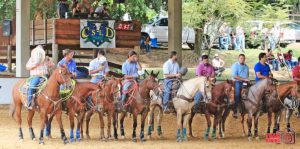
[(167, 91), (275, 65), (32, 88), (96, 79), (125, 89), (237, 94), (289, 63)]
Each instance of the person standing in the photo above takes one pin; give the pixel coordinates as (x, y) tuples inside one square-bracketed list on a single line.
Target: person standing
[(98, 68), (38, 65), (262, 69), (240, 74), (130, 69), (171, 72), (62, 9)]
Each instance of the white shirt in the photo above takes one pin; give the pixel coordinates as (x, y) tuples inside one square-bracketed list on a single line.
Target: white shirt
[(217, 63), (99, 9)]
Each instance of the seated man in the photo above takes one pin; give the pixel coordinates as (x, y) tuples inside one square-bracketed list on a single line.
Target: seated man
[(271, 60), (203, 69), (171, 72), (218, 65), (38, 66), (288, 59), (130, 69), (102, 10)]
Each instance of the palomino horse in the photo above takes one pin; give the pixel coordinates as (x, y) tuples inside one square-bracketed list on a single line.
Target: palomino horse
[(221, 98), (48, 101), (76, 105), (104, 102), (183, 102), (277, 104), (138, 103)]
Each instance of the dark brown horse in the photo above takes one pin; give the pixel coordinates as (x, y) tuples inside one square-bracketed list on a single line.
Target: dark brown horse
[(138, 102), (48, 102), (104, 102), (276, 105), (76, 105), (221, 98)]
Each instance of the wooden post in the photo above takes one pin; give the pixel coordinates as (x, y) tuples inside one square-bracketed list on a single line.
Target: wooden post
[(32, 33), (9, 58), (55, 46), (45, 31)]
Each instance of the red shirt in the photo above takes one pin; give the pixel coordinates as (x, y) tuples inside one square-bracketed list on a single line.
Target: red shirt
[(287, 56), (296, 72)]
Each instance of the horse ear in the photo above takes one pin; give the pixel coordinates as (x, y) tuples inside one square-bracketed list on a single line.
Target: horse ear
[(146, 72), (151, 73), (156, 75)]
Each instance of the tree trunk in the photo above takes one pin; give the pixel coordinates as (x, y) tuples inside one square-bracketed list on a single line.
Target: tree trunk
[(198, 41)]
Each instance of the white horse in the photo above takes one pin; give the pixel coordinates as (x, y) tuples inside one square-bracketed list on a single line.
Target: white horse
[(183, 102)]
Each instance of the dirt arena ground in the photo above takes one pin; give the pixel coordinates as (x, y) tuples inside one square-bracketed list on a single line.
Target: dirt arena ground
[(9, 133)]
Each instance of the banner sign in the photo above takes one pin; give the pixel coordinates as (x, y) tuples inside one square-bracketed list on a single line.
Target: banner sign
[(97, 34)]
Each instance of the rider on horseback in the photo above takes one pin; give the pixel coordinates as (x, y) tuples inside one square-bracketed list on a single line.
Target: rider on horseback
[(98, 67), (296, 77), (131, 69), (38, 65), (240, 74), (171, 71), (262, 71), (203, 69)]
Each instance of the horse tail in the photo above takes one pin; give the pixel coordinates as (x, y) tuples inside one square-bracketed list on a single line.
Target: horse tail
[(12, 110)]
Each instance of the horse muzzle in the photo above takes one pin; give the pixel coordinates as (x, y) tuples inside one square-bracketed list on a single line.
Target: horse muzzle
[(98, 108)]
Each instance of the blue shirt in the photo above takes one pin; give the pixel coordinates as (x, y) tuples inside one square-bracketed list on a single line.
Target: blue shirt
[(170, 67), (96, 63), (263, 69), (71, 65), (237, 69), (130, 68)]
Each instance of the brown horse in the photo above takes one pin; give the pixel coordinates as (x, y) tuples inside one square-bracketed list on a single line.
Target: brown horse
[(76, 105), (138, 102), (276, 105), (104, 102), (48, 101), (221, 98)]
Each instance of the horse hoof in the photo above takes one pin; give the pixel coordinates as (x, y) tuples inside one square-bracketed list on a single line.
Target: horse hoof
[(122, 137), (42, 143), (191, 136), (184, 139), (243, 135), (65, 141), (33, 139), (249, 138), (88, 137), (72, 140), (21, 140), (178, 140), (257, 138), (160, 136), (134, 140), (78, 139), (149, 137)]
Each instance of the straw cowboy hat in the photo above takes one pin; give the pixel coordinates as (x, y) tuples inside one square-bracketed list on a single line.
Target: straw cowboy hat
[(38, 54)]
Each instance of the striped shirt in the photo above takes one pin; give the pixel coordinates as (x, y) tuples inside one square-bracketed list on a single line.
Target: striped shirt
[(41, 69)]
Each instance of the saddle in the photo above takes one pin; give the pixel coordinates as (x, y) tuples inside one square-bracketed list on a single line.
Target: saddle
[(24, 89)]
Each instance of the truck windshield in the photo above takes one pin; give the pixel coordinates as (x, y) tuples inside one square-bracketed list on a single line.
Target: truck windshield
[(153, 20)]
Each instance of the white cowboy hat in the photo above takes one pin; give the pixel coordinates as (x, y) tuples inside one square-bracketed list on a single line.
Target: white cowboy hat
[(38, 54), (216, 55)]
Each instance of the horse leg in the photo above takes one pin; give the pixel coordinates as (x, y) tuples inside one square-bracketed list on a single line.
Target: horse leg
[(19, 120), (109, 117), (216, 121), (277, 117), (190, 124), (102, 137), (269, 121), (186, 120), (243, 125), (48, 126), (223, 120), (256, 126), (206, 134), (71, 119), (143, 119), (159, 120), (179, 125), (29, 121), (81, 121), (288, 115), (79, 125), (115, 121), (43, 117), (122, 125), (87, 120), (249, 122), (150, 122), (62, 131), (134, 127)]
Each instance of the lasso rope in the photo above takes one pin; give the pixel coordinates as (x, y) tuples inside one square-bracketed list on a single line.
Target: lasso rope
[(26, 85)]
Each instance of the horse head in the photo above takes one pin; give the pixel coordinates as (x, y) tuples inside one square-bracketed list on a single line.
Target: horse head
[(62, 74), (115, 88), (151, 82), (229, 84), (208, 87)]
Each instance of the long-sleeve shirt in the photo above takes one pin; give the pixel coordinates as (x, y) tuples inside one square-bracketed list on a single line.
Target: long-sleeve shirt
[(41, 69), (206, 70)]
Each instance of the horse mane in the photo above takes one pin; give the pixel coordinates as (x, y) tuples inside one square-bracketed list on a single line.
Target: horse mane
[(185, 86)]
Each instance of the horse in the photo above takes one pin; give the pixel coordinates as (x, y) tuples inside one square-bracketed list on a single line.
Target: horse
[(221, 98), (48, 101), (137, 103), (278, 104), (183, 102), (76, 105), (103, 101), (251, 103)]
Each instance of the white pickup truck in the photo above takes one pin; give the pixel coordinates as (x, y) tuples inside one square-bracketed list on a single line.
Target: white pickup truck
[(158, 27)]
